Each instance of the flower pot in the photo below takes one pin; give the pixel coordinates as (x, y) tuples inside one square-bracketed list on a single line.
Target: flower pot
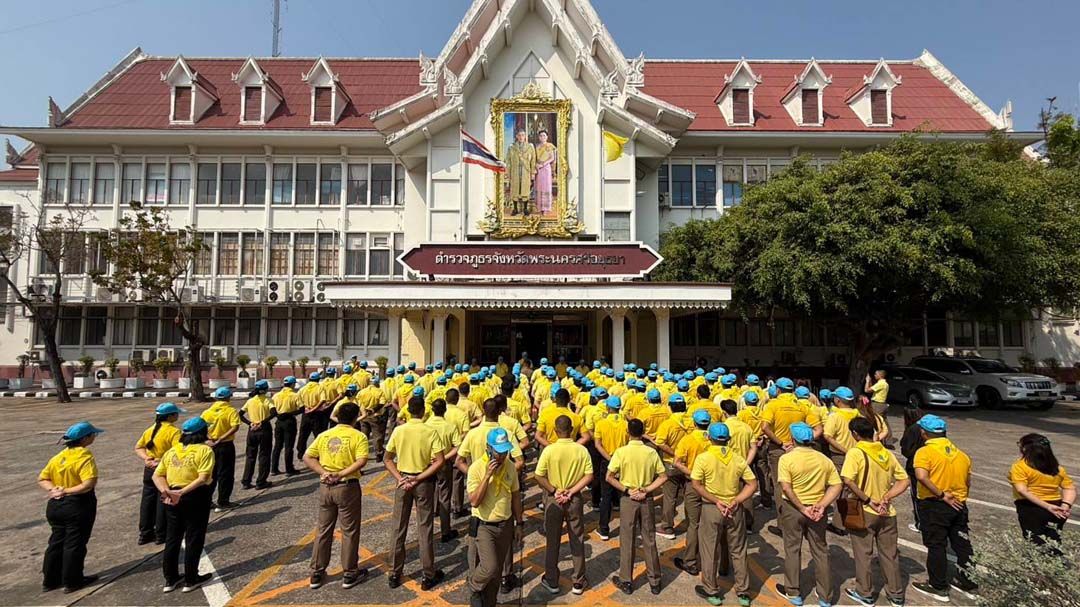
[(161, 384), (134, 383), (20, 383), (184, 383), (245, 383), (82, 383), (219, 383), (48, 384), (111, 383)]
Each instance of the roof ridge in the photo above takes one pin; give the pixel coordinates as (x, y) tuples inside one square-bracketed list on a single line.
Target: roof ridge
[(794, 61), (271, 59)]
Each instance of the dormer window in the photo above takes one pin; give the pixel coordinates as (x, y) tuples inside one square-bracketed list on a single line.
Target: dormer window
[(879, 107), (328, 98), (803, 99), (811, 106), (181, 111), (740, 106), (260, 95), (872, 99), (324, 101), (736, 99), (252, 104), (191, 95)]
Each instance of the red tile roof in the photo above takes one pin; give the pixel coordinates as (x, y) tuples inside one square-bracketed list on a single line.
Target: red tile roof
[(921, 100), (18, 175)]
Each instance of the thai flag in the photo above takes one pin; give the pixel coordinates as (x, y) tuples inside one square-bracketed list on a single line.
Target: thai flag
[(474, 152)]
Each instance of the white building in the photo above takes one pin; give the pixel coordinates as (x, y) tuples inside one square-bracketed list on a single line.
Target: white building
[(318, 173)]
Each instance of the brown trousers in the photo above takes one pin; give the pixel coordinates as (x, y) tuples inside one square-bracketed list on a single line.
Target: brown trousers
[(423, 497), (635, 517), (795, 527), (444, 479), (338, 503), (674, 491), (882, 532), (554, 517), (775, 451), (720, 536), (487, 552), (458, 500), (692, 506), (838, 461)]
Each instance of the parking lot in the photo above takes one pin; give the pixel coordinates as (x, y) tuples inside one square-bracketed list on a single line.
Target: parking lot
[(259, 552)]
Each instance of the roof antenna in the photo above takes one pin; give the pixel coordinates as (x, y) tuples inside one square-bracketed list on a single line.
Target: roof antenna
[(277, 29)]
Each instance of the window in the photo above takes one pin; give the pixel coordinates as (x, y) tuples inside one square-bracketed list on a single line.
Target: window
[(399, 248), (617, 226), (382, 181), (155, 183), (230, 183), (224, 327), (756, 173), (55, 180), (964, 333), (228, 254), (70, 326), (913, 334), (249, 327), (740, 106), (810, 106), (988, 334), (355, 328), (879, 107), (1013, 333), (813, 334), (80, 183), (255, 183), (760, 333), (204, 259), (682, 185), (282, 187), (147, 328), (279, 254), (206, 188), (179, 183), (324, 97), (277, 326), (104, 182), (301, 326), (663, 183), (304, 255), (170, 331), (95, 255), (131, 188), (708, 329), (378, 332), (355, 255), (325, 326), (705, 181), (305, 184), (734, 332), (358, 184), (328, 255), (251, 256), (181, 104), (784, 332), (200, 321), (252, 104), (733, 184), (684, 330), (399, 184), (330, 184), (380, 255), (122, 326), (74, 253)]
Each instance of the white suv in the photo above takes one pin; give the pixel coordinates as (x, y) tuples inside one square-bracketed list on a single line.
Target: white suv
[(994, 382)]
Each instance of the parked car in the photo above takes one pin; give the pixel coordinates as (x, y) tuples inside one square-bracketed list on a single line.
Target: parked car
[(994, 382), (918, 387)]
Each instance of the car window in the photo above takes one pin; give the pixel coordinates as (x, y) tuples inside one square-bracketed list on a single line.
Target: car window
[(930, 363), (990, 366), (955, 366), (898, 375), (924, 375)]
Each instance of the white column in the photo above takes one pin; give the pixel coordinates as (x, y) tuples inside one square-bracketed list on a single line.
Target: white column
[(633, 316), (394, 336), (618, 338), (438, 346), (663, 336)]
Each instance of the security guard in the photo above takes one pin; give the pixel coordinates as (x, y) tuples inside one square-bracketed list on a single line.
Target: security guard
[(184, 477), (610, 434), (667, 437), (689, 448), (636, 472), (69, 479), (153, 443), (223, 423), (414, 455), (563, 471), (287, 404), (311, 421), (495, 495), (257, 413), (450, 436)]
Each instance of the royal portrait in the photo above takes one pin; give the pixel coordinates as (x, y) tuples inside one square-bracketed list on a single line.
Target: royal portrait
[(531, 163)]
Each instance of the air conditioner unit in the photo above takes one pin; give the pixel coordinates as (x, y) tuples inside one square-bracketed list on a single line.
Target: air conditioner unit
[(275, 291), (40, 288), (220, 351), (36, 356), (665, 202), (301, 291), (144, 356), (193, 293), (103, 295), (787, 357), (134, 295), (250, 294), (320, 292), (168, 354)]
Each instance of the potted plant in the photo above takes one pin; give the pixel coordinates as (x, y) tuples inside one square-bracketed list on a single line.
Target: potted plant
[(270, 362), (303, 362), (220, 362), (382, 361), (184, 381), (325, 360), (243, 381), (21, 382), (84, 374), (162, 366), (134, 380), (114, 380)]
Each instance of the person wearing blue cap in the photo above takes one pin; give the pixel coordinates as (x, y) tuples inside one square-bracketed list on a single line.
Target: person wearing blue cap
[(223, 421), (777, 416), (316, 417), (287, 404), (257, 412), (690, 446), (184, 476), (943, 472), (610, 432), (665, 439), (750, 414), (838, 437), (753, 384), (729, 390), (450, 434), (517, 408), (545, 425), (495, 495), (809, 484), (372, 420), (154, 442), (723, 480), (654, 413), (69, 479)]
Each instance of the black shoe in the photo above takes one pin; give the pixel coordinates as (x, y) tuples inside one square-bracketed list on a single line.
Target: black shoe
[(316, 579), (394, 581), (834, 529), (246, 485), (938, 594), (275, 473), (767, 505), (681, 564), (654, 588), (773, 529), (159, 541), (145, 540), (621, 585), (509, 582), (351, 580), (476, 599), (86, 581), (48, 588), (266, 485), (965, 587), (170, 586), (430, 582), (449, 536), (703, 593), (578, 588), (462, 513), (292, 472), (199, 581)]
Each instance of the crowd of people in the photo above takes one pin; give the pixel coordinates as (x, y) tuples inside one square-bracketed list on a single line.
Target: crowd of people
[(639, 443)]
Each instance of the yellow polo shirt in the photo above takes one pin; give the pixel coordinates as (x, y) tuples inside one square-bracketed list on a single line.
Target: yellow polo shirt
[(70, 468), (1041, 485), (519, 410), (414, 445), (836, 427), (512, 427), (672, 430), (740, 436), (345, 401), (338, 448), (715, 412), (449, 433), (691, 446), (809, 471), (880, 467), (473, 410), (545, 425), (311, 394), (220, 418), (721, 470), (564, 463), (183, 464), (497, 503), (751, 416), (474, 444), (371, 399), (653, 415), (636, 464), (611, 432), (732, 393), (257, 408), (287, 401), (879, 391), (948, 466), (167, 436), (459, 418), (783, 411)]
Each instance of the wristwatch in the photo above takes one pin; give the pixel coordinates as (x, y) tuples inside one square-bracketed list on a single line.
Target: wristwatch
[(626, 491)]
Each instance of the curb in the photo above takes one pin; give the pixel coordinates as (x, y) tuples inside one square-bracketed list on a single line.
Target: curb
[(104, 394)]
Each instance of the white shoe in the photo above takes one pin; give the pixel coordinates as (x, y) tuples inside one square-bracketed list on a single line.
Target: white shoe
[(913, 527)]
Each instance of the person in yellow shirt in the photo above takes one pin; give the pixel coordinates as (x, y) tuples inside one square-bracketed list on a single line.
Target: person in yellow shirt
[(338, 456), (837, 435), (475, 410), (560, 367), (520, 410), (501, 369), (257, 413), (610, 433), (777, 416), (728, 389), (665, 439), (878, 389), (562, 472), (183, 477), (726, 487), (403, 394), (809, 484), (288, 406), (405, 415), (478, 392), (634, 400), (741, 438), (636, 472), (704, 402), (690, 446), (1042, 490), (223, 421), (315, 418), (69, 479), (753, 384), (547, 433), (654, 413), (944, 475), (593, 411), (436, 391), (414, 455), (495, 495), (154, 442), (372, 420), (450, 435)]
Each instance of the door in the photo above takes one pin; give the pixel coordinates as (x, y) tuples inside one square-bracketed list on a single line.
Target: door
[(531, 338)]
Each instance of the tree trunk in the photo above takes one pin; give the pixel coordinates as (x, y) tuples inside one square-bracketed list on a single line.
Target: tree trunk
[(859, 357), (53, 353), (198, 394)]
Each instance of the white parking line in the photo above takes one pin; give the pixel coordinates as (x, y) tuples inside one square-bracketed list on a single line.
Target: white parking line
[(992, 479), (217, 594), (1007, 508)]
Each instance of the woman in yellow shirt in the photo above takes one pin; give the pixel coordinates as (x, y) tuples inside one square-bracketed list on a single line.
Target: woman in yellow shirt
[(1042, 490), (153, 444), (70, 478)]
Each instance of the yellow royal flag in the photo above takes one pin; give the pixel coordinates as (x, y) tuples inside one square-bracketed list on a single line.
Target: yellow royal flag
[(613, 145)]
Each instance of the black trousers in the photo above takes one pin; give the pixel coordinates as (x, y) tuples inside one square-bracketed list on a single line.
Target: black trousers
[(187, 522), (1037, 523), (224, 471), (607, 496), (942, 526), (311, 424), (914, 491), (259, 443), (72, 521), (284, 439), (598, 481), (151, 509)]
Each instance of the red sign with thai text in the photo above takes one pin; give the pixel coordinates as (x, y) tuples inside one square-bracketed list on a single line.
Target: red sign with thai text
[(531, 260)]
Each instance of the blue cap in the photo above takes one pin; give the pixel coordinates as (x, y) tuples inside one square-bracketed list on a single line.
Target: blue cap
[(620, 376), (83, 429), (802, 392), (613, 402), (331, 371), (720, 370), (844, 392), (363, 364), (410, 379), (601, 393), (753, 380), (785, 384), (315, 375), (688, 375), (595, 364), (347, 368), (711, 377), (668, 376), (802, 433), (653, 366), (750, 398), (652, 374), (683, 385), (550, 373), (429, 368), (653, 395), (701, 417), (375, 380), (193, 425), (223, 392), (418, 391), (728, 380), (719, 431), (499, 440), (353, 388), (262, 385), (640, 372), (676, 398), (699, 372), (168, 409), (441, 380), (543, 361), (609, 372), (412, 366), (289, 380), (932, 423), (824, 395), (555, 388), (390, 372), (401, 368), (773, 391)]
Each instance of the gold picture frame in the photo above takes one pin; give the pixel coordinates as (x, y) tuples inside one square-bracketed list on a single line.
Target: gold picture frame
[(531, 197)]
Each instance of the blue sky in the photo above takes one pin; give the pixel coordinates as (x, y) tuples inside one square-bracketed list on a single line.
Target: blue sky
[(1001, 50)]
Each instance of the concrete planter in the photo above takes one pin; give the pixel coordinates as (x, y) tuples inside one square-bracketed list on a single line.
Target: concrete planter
[(184, 383), (20, 383), (219, 383), (82, 383), (134, 383), (112, 383), (244, 383), (161, 384), (48, 384)]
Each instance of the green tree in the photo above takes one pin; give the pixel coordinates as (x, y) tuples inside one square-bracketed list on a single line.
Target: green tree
[(151, 257), (1063, 143), (872, 241)]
